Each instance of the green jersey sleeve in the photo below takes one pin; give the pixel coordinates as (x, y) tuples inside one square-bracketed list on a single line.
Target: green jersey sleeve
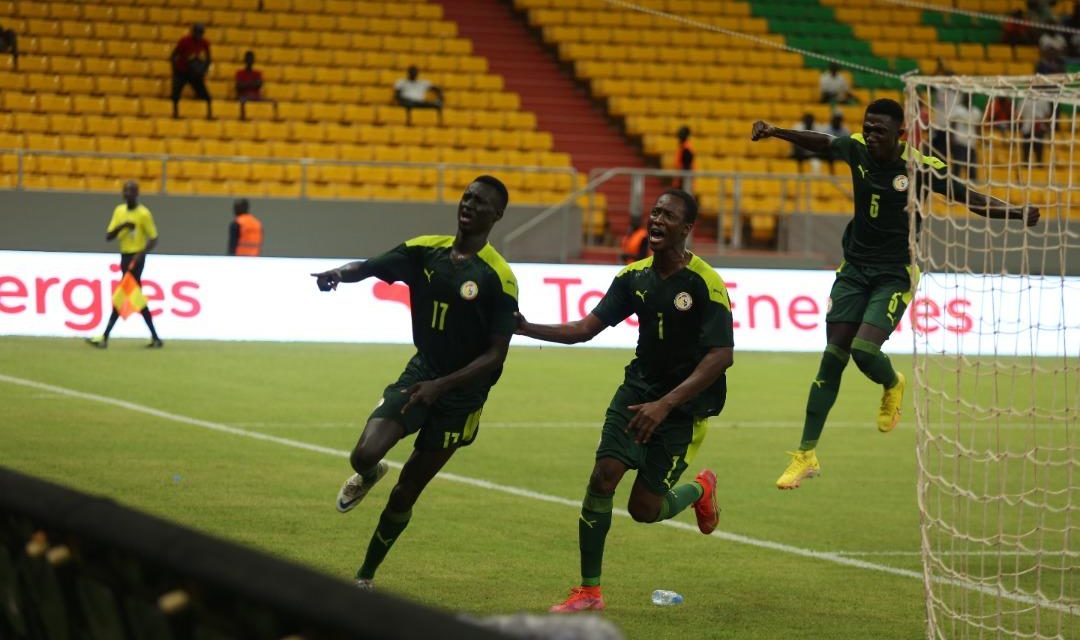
[(617, 304), (399, 263), (504, 322), (840, 148)]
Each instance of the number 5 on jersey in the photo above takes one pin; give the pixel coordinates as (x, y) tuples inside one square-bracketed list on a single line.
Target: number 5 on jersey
[(438, 315)]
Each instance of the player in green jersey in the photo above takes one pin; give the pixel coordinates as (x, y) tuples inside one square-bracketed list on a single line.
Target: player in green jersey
[(656, 421), (876, 280), (463, 300)]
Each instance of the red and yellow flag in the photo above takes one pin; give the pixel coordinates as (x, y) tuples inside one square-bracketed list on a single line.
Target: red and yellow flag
[(128, 298)]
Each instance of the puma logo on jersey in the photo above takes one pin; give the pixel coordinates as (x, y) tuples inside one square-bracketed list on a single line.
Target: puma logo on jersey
[(429, 274), (640, 294), (862, 171)]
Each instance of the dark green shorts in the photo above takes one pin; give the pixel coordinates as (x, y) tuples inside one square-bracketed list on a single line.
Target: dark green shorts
[(663, 459), (438, 427), (876, 295)]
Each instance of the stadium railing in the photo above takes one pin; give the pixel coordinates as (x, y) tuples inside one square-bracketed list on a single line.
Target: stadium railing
[(445, 186), (74, 565)]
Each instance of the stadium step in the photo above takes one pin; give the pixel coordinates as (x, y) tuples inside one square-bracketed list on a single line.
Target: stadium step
[(579, 126)]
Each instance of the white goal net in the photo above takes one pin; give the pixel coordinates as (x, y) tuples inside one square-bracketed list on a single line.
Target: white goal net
[(996, 326)]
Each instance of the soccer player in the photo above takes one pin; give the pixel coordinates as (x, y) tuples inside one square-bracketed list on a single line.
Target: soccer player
[(656, 421), (876, 280), (134, 225), (463, 297)]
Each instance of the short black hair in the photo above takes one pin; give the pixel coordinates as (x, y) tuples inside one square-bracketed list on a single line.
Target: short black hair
[(887, 107), (498, 186), (690, 205)]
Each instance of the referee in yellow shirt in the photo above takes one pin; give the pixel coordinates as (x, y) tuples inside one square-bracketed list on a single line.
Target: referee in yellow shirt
[(133, 224)]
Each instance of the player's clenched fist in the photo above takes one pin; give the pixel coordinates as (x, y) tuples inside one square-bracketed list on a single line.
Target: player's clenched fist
[(761, 130)]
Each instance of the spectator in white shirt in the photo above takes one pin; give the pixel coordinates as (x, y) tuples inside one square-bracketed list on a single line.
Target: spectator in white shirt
[(834, 86), (412, 93)]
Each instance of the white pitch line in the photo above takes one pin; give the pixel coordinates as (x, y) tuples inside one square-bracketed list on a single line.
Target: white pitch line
[(993, 554), (832, 557)]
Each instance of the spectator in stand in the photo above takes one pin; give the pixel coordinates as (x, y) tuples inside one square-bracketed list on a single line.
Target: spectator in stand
[(1051, 54), (1013, 32), (836, 129), (1041, 10), (1036, 120), (635, 246), (9, 43), (249, 85), (245, 231), (800, 154), (412, 93), (1073, 22), (999, 113), (190, 64), (834, 86), (684, 159)]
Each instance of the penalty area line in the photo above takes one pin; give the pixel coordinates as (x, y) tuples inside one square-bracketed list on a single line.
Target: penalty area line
[(826, 556)]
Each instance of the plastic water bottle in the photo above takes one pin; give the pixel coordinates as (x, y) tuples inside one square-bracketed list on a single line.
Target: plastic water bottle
[(662, 598)]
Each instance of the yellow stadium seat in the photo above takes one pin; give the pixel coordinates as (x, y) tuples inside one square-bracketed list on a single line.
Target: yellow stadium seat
[(292, 111), (112, 86), (17, 102), (282, 149), (321, 151), (219, 148), (235, 171), (123, 105), (271, 131), (52, 103), (31, 123), (327, 112)]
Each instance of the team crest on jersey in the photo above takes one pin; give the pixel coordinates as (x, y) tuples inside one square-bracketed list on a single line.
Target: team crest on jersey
[(683, 301), (469, 290), (900, 182)]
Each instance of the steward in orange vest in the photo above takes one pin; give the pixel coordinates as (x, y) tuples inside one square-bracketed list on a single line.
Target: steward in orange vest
[(635, 246), (684, 158), (245, 232)]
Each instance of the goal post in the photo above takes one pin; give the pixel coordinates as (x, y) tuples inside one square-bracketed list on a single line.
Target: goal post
[(996, 331)]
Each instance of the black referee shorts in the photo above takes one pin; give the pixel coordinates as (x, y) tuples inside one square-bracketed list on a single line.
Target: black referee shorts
[(125, 262)]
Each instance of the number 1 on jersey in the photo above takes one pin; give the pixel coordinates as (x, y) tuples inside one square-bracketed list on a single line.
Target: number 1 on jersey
[(438, 315), (660, 327)]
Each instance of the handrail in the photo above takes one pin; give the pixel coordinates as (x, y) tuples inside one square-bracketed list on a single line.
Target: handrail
[(588, 188), (303, 163)]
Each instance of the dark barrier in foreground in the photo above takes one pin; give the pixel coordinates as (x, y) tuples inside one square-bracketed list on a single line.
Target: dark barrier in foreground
[(75, 566)]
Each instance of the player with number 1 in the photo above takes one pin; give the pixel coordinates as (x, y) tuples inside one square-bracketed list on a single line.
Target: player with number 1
[(463, 299)]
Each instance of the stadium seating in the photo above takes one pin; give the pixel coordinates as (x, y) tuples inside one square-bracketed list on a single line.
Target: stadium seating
[(95, 77), (658, 74)]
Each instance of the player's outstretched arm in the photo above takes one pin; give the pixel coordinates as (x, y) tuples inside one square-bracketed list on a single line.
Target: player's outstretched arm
[(351, 272), (991, 207), (809, 140), (485, 364), (570, 333), (650, 414)]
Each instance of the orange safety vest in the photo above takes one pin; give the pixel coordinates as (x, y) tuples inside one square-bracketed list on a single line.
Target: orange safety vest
[(251, 235), (679, 154), (678, 182), (631, 244)]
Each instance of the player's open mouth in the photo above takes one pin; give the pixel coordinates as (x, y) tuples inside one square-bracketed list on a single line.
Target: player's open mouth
[(465, 216), (656, 233)]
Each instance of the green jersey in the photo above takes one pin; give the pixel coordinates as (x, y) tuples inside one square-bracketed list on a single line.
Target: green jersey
[(680, 318), (456, 306), (878, 233)]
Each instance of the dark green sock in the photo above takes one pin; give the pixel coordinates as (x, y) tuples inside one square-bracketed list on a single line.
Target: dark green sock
[(593, 525), (679, 499), (823, 392), (391, 524), (871, 361)]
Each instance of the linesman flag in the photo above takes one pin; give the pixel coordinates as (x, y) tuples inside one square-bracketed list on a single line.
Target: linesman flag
[(129, 297)]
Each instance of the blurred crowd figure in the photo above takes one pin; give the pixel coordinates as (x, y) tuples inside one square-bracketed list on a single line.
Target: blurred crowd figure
[(9, 43), (412, 93), (190, 64)]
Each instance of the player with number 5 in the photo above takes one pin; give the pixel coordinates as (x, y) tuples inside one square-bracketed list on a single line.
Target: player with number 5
[(876, 281), (463, 300), (657, 419)]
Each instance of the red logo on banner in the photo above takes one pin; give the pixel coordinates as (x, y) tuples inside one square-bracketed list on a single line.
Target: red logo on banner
[(396, 292)]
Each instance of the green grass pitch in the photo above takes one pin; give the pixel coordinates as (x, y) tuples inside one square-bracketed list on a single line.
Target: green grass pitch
[(495, 548)]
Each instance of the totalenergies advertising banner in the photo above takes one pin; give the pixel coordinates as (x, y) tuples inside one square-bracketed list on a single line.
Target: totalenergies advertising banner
[(229, 298)]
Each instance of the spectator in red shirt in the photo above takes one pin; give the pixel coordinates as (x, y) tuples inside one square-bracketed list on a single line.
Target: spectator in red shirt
[(190, 63), (249, 84)]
